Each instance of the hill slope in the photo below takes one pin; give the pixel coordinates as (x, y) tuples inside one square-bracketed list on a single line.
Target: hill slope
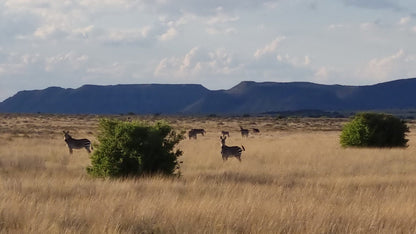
[(147, 98), (246, 97)]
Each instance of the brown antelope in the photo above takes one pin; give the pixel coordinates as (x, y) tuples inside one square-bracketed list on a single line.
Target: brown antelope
[(244, 132), (225, 133), (230, 151), (76, 143), (194, 132)]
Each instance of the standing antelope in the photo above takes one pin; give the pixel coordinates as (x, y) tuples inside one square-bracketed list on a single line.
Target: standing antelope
[(230, 151), (225, 133), (244, 132), (195, 131), (76, 143)]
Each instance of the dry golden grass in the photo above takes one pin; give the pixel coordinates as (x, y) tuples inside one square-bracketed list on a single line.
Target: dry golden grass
[(294, 178)]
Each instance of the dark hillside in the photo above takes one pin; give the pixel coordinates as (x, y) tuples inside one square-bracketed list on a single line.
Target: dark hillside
[(149, 98), (248, 97)]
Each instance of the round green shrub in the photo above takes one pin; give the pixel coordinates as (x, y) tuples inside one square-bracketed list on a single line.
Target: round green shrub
[(374, 130), (135, 149)]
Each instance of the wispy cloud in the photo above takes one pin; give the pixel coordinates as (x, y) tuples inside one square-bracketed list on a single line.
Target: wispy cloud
[(198, 62), (294, 61), (221, 17), (168, 35), (397, 65), (270, 47), (336, 26), (404, 20), (67, 61)]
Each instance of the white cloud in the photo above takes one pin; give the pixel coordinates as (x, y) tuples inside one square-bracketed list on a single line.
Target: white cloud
[(307, 60), (294, 61), (222, 62), (50, 19), (216, 31), (197, 63), (16, 63), (110, 3), (48, 31), (322, 73), (404, 20), (382, 67), (10, 69), (184, 19), (75, 19), (336, 26), (271, 4), (113, 70), (179, 66), (168, 35), (202, 7), (220, 23), (30, 58), (398, 65), (83, 31), (269, 48), (368, 26), (187, 62), (125, 36), (68, 61), (221, 18)]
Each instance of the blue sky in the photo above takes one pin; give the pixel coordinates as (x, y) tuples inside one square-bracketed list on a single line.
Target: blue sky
[(69, 43)]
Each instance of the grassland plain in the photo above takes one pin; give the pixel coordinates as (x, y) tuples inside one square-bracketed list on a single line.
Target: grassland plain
[(294, 178)]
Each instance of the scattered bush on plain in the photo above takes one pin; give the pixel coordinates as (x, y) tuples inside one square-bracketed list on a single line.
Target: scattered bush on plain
[(374, 130), (134, 149)]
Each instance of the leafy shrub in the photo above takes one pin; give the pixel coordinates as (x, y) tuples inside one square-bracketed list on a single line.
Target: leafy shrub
[(374, 130), (134, 149)]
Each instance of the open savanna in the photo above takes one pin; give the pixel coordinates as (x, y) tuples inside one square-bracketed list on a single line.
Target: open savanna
[(294, 178)]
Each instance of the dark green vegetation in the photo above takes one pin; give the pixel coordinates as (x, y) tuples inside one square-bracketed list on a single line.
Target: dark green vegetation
[(134, 149), (374, 130)]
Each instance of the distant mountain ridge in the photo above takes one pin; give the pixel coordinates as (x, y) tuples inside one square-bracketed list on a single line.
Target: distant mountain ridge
[(247, 97)]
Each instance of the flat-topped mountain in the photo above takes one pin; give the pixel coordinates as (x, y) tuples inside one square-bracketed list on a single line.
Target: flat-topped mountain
[(245, 98), (115, 99)]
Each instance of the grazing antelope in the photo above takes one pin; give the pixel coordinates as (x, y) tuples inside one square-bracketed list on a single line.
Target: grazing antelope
[(256, 130), (76, 143), (244, 132), (230, 151), (225, 133), (194, 132)]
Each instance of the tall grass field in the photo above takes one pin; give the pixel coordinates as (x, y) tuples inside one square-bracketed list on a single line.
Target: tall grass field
[(294, 178)]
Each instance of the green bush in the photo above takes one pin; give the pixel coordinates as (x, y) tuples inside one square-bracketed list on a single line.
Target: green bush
[(374, 130), (134, 149)]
